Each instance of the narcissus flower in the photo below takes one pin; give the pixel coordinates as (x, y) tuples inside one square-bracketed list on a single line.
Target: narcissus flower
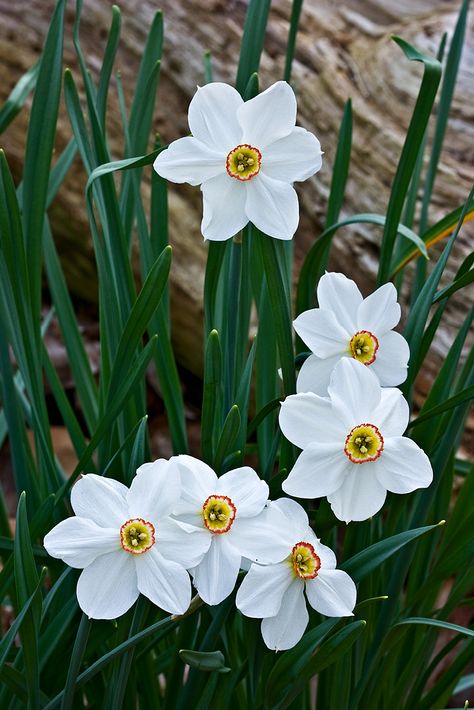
[(231, 511), (276, 593), (245, 156), (353, 448), (126, 543), (348, 325)]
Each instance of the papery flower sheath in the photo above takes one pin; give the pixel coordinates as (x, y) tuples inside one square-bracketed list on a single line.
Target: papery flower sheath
[(353, 448), (276, 592), (126, 543), (231, 511), (348, 325), (245, 156)]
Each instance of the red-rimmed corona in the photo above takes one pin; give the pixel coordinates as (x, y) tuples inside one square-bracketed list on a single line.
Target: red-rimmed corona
[(364, 443), (137, 536), (363, 346), (304, 560), (218, 513), (243, 162)]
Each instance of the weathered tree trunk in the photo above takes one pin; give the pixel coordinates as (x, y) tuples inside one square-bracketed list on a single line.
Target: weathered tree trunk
[(343, 50)]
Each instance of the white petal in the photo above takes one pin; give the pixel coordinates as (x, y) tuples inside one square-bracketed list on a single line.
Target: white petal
[(261, 593), (154, 491), (198, 482), (269, 116), (326, 555), (265, 538), (306, 418), (107, 588), (164, 582), (332, 593), (322, 332), (360, 496), (319, 471), (380, 311), (189, 160), (272, 206), (216, 575), (295, 515), (182, 544), (392, 414), (212, 116), (78, 541), (340, 295), (403, 466), (96, 498), (297, 156), (355, 392), (246, 490), (391, 360), (315, 374), (284, 630), (224, 211)]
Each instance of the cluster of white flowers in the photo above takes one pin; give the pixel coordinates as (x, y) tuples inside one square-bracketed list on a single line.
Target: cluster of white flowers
[(341, 416), (179, 517), (179, 520)]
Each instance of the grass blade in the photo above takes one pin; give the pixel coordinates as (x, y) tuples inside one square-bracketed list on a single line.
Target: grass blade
[(408, 157)]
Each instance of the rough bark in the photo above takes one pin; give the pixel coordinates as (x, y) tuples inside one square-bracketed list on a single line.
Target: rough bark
[(343, 50)]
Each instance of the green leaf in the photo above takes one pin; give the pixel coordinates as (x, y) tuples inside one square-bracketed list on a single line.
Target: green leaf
[(443, 109), (228, 437), (442, 229), (204, 660), (280, 307), (159, 628), (262, 415), (313, 265), (464, 396), (211, 397), (289, 666), (408, 157), (365, 562), (331, 650), (437, 623), (77, 655), (27, 582), (108, 63), (139, 318), (9, 637), (116, 405), (252, 41), (341, 167), (39, 149), (464, 684), (464, 280), (419, 312), (215, 259), (18, 95), (86, 387), (290, 46)]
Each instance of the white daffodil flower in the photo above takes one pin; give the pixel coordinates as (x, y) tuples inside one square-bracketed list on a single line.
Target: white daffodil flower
[(348, 325), (231, 511), (276, 592), (126, 543), (353, 448), (245, 156)]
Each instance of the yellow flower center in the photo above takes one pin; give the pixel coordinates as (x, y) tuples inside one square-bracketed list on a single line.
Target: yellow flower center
[(137, 536), (304, 561), (243, 162), (363, 347), (218, 514), (364, 443)]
